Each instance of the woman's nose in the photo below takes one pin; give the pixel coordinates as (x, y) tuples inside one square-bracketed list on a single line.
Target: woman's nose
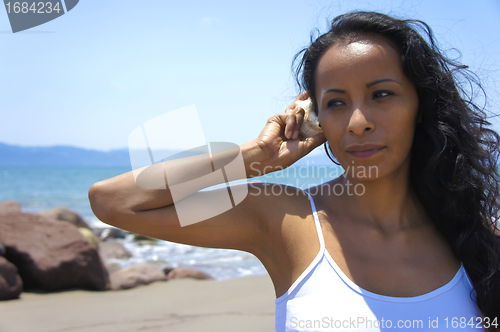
[(358, 123)]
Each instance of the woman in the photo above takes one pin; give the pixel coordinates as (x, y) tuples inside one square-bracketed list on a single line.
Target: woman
[(417, 248)]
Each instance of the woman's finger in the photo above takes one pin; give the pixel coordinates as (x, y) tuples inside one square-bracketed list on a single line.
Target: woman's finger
[(290, 107), (294, 122), (302, 96), (290, 125), (299, 120), (313, 142)]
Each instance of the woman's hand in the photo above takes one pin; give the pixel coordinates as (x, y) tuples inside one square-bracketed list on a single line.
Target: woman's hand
[(295, 118), (281, 141)]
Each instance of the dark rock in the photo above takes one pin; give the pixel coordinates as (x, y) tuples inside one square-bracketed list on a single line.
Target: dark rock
[(167, 269), (113, 249), (11, 284), (7, 207), (51, 254), (135, 275), (65, 214), (144, 240), (179, 272), (104, 234)]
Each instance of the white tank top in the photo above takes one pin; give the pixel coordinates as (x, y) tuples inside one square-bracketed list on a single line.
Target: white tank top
[(323, 298)]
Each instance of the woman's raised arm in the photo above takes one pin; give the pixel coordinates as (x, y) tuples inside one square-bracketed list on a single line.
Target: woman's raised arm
[(121, 202)]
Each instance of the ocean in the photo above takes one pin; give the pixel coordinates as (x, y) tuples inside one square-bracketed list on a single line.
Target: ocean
[(39, 188)]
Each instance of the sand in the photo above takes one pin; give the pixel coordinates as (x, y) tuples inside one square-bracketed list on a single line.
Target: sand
[(243, 304)]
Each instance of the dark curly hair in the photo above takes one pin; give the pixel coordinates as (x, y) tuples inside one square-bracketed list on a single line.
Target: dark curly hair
[(454, 155)]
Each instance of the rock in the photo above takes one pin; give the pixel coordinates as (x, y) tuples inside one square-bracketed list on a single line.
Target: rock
[(167, 269), (2, 250), (7, 207), (179, 272), (112, 267), (147, 243), (113, 249), (144, 240), (51, 254), (135, 275), (11, 284), (90, 236), (63, 213), (107, 233)]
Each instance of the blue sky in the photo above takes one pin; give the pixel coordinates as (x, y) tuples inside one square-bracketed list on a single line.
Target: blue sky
[(90, 77)]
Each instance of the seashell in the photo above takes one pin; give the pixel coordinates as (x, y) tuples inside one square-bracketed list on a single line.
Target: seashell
[(310, 126)]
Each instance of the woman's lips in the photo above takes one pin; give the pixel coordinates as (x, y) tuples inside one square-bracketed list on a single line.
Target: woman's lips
[(365, 154)]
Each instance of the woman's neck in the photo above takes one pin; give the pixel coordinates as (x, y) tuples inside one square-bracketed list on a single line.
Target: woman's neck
[(387, 204)]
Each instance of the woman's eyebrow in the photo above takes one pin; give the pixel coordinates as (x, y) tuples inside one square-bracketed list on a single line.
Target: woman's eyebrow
[(367, 85), (380, 81), (334, 90)]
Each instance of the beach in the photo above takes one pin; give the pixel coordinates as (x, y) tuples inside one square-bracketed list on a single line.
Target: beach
[(240, 304)]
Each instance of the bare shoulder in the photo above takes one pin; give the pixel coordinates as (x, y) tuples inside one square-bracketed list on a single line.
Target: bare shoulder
[(278, 206), (276, 200)]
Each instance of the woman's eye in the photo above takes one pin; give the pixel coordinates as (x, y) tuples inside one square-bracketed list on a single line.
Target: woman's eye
[(382, 94), (334, 103)]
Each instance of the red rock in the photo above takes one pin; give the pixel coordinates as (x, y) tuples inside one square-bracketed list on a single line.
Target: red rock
[(63, 213), (135, 275), (51, 254), (178, 273), (113, 249), (7, 207)]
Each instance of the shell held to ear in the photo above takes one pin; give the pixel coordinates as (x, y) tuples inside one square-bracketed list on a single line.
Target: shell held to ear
[(310, 126)]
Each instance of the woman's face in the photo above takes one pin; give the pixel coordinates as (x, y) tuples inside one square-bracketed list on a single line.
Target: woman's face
[(365, 98)]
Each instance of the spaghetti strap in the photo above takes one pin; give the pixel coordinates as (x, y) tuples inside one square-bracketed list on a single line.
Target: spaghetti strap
[(317, 223)]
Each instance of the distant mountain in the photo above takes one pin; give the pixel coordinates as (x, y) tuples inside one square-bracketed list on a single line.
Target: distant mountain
[(15, 155)]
